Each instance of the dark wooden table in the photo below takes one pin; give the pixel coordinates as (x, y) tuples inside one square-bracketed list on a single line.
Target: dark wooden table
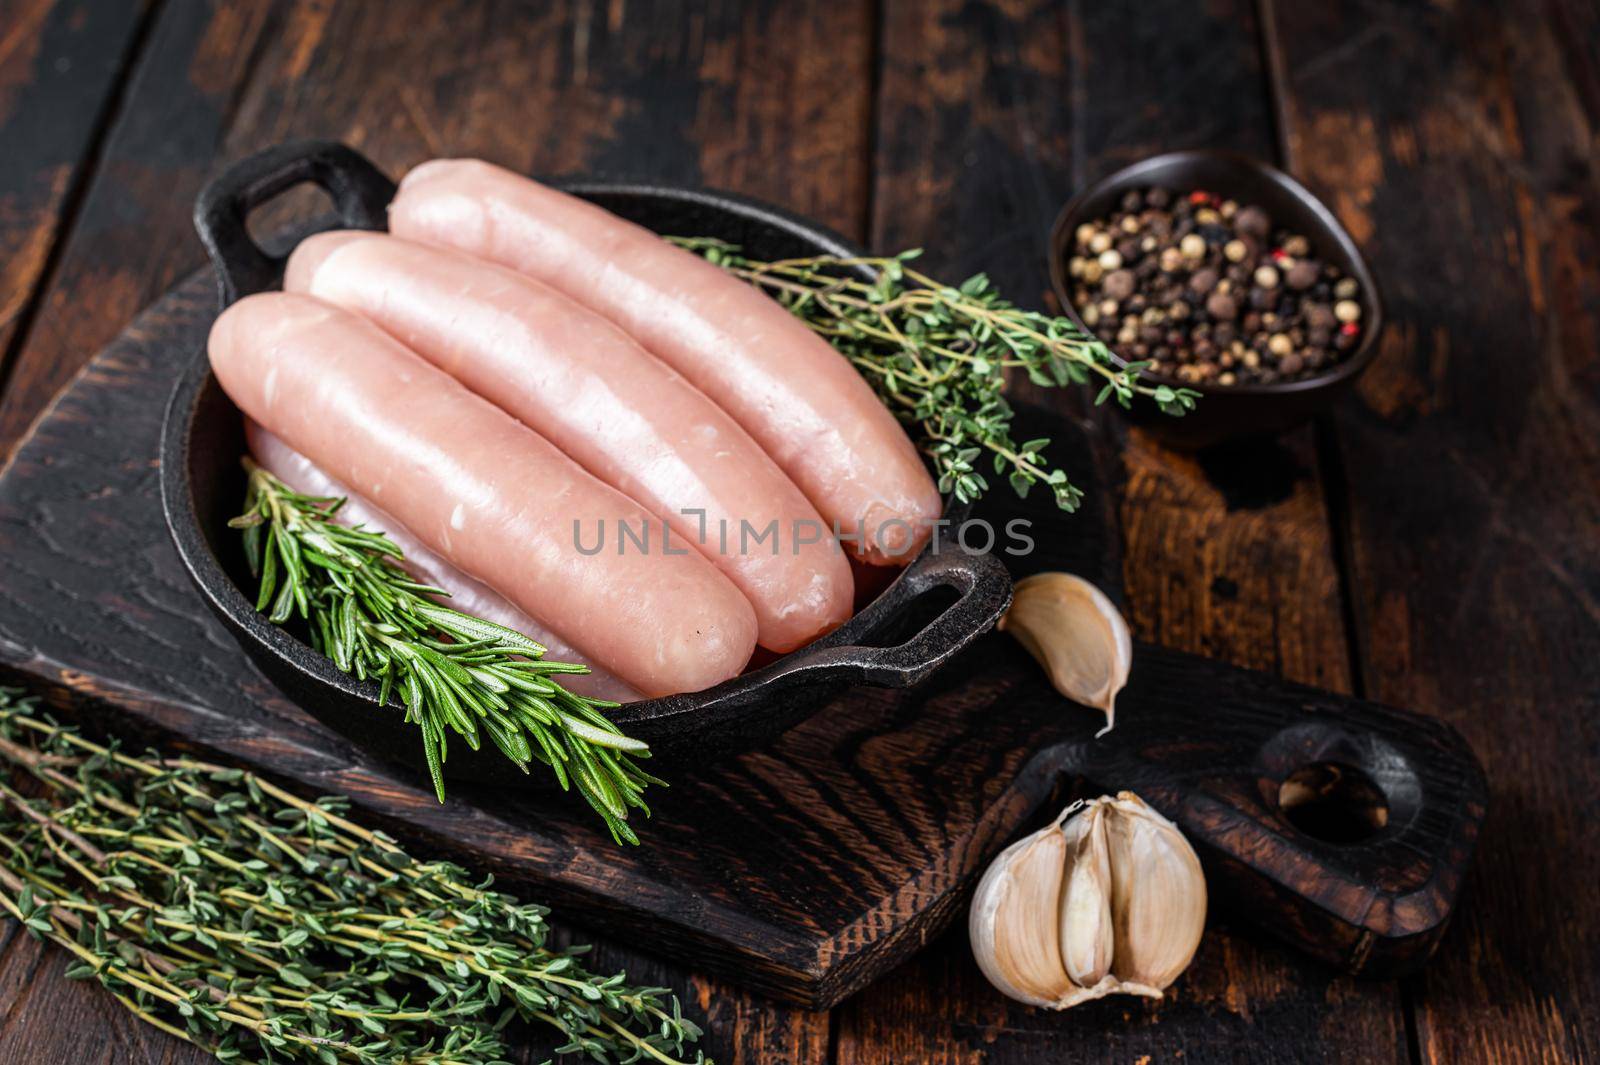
[(1433, 544)]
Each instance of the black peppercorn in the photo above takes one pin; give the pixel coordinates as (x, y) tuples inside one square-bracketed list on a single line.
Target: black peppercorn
[(1118, 284), (1302, 275), (1211, 289), (1253, 221)]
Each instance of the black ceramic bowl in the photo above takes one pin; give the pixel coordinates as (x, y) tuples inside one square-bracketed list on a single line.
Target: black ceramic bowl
[(1225, 413), (934, 608)]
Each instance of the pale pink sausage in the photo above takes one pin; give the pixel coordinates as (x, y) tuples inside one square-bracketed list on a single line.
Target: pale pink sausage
[(582, 383), (466, 594), (481, 489), (799, 398)]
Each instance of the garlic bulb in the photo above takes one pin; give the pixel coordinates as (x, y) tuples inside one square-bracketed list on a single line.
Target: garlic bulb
[(1109, 899), (1077, 634)]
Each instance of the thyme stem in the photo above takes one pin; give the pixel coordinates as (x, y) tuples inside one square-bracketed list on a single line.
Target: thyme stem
[(332, 946), (937, 356)]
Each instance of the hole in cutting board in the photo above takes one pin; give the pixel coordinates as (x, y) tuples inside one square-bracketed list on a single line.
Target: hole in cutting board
[(1334, 802)]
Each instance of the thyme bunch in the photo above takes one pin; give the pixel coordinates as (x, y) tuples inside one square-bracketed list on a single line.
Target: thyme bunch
[(259, 925), (937, 356), (454, 673)]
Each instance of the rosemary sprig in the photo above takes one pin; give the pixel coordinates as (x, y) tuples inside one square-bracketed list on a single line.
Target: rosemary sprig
[(937, 356), (231, 913), (453, 672)]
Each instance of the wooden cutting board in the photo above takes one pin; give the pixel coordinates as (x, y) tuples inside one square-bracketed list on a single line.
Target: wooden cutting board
[(804, 869)]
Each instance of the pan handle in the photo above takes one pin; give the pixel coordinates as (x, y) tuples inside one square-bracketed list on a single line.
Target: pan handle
[(983, 587), (360, 192)]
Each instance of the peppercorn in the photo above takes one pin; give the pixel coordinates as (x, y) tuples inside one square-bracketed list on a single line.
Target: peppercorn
[(1222, 306), (1203, 280), (1118, 284), (1302, 275), (1253, 221), (1195, 280)]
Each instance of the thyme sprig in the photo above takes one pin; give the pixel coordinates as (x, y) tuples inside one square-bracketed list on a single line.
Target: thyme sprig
[(236, 915), (454, 673), (937, 356)]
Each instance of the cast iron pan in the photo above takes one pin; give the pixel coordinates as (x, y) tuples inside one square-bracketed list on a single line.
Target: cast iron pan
[(935, 607)]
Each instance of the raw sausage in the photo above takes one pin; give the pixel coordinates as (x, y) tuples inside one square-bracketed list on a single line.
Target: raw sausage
[(799, 398), (466, 594), (484, 491), (582, 383)]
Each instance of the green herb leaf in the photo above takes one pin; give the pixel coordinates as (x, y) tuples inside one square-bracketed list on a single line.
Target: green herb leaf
[(454, 673), (262, 926), (937, 356)]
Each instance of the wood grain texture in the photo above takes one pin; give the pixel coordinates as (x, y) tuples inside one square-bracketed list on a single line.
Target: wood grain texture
[(131, 238), (992, 114), (60, 62), (769, 99), (1475, 578), (855, 780), (805, 868), (1459, 146)]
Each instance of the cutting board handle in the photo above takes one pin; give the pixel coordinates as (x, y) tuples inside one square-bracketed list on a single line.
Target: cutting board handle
[(1339, 825), (359, 190)]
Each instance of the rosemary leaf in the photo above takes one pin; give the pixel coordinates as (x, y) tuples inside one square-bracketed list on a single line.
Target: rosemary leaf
[(455, 674)]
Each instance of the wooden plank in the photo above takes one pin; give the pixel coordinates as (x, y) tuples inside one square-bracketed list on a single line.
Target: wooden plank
[(991, 115), (132, 239), (47, 1017), (61, 62), (1458, 145), (817, 862), (771, 100)]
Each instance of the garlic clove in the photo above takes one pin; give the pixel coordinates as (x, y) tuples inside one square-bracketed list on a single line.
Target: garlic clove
[(1013, 920), (1085, 916), (1072, 629), (1110, 899), (1158, 896)]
